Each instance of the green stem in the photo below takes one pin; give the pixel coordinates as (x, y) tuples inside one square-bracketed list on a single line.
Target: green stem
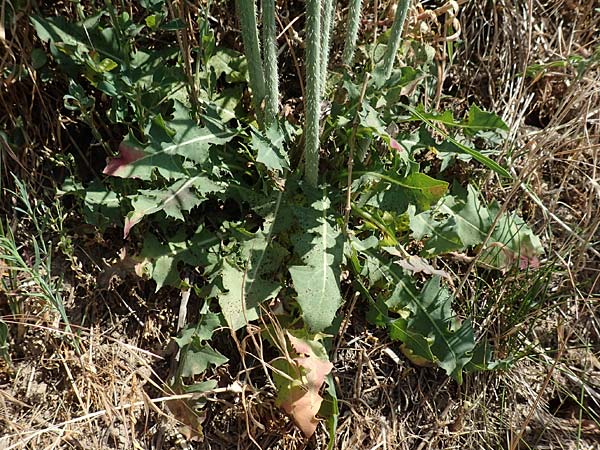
[(377, 223), (326, 27), (313, 91), (247, 15), (122, 41), (270, 54), (354, 14), (395, 37)]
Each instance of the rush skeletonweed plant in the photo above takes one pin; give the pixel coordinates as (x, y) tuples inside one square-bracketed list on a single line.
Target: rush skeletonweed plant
[(278, 242)]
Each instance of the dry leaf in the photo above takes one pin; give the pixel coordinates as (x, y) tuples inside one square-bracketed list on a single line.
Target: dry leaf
[(300, 397), (415, 264)]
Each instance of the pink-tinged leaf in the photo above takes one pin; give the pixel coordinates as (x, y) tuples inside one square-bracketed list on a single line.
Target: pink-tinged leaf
[(300, 397), (303, 405), (130, 221), (316, 368), (300, 347), (127, 155), (529, 262), (531, 247), (396, 145)]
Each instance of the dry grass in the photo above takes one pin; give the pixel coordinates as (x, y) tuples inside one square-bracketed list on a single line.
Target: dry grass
[(112, 395), (550, 398)]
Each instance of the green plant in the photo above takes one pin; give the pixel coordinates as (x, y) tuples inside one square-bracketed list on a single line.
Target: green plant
[(4, 342), (28, 265), (209, 190)]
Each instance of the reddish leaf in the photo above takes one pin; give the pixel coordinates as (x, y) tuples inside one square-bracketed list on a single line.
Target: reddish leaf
[(316, 368), (529, 262), (303, 405), (395, 145), (127, 155), (130, 222), (300, 398)]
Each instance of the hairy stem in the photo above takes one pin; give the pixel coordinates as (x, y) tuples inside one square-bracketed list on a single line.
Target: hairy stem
[(270, 54), (354, 14), (313, 91), (326, 27), (395, 37), (247, 15)]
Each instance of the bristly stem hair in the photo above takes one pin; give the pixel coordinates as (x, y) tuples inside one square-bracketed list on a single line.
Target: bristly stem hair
[(395, 37), (354, 15), (313, 91), (270, 67), (326, 27), (247, 15)]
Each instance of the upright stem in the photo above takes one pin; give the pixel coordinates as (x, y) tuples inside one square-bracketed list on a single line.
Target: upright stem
[(270, 54), (326, 27), (313, 91), (121, 40), (354, 14), (355, 124), (247, 15), (395, 37)]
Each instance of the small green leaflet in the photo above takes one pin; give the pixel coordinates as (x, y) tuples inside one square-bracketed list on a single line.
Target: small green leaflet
[(193, 142), (4, 342), (227, 103), (477, 120), (231, 63), (198, 357), (196, 354), (431, 331), (330, 409), (202, 331), (76, 37), (417, 344), (160, 260), (245, 290), (317, 281), (269, 148), (484, 359), (100, 206), (181, 196)]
